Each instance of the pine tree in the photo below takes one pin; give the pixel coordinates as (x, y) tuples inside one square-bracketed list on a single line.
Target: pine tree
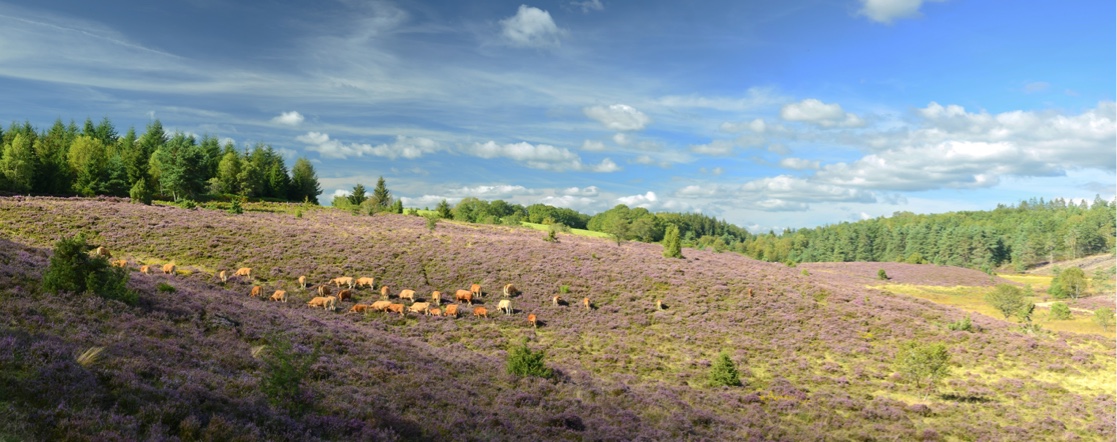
[(18, 164), (724, 372), (672, 246), (444, 211), (304, 182), (381, 198), (357, 196)]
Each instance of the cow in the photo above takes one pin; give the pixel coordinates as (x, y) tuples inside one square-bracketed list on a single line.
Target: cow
[(380, 306), (510, 291), (145, 269), (531, 318), (385, 292), (750, 292), (302, 281), (586, 303), (244, 271), (480, 311), (347, 280), (365, 281), (323, 290), (358, 308), (223, 276), (476, 290), (659, 305), (120, 263), (557, 300), (396, 308), (326, 302), (168, 269), (255, 293), (464, 295), (420, 307), (344, 294), (436, 312), (505, 306), (279, 296), (436, 297), (408, 294), (451, 310), (102, 251)]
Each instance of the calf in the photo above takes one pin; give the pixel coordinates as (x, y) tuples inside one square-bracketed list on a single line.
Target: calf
[(302, 281), (323, 290), (168, 269), (102, 251), (586, 303), (464, 295), (451, 310), (120, 263), (436, 297), (407, 294), (365, 282), (481, 311), (476, 290), (380, 306), (531, 318), (344, 294), (279, 296), (396, 308), (505, 306), (358, 308), (436, 312), (145, 269), (557, 300), (244, 271), (223, 276), (256, 291), (420, 307), (385, 292)]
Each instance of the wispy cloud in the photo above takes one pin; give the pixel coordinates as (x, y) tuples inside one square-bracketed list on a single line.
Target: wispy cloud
[(292, 118)]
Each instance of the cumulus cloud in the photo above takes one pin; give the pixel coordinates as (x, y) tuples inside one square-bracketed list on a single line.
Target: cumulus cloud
[(594, 146), (816, 112), (588, 191), (289, 119), (405, 147), (531, 27), (885, 11), (621, 117), (539, 156), (644, 200)]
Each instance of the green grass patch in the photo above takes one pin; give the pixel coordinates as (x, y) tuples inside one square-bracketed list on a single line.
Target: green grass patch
[(581, 232)]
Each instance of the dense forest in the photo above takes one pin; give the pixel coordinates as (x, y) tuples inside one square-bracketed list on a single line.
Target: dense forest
[(96, 160)]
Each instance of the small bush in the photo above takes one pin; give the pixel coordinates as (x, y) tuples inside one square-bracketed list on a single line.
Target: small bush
[(882, 275), (72, 269), (551, 237), (282, 377), (724, 372), (432, 222), (964, 324), (1060, 311), (1104, 317), (236, 208), (524, 362), (187, 203), (923, 363), (1006, 298), (805, 273), (165, 288)]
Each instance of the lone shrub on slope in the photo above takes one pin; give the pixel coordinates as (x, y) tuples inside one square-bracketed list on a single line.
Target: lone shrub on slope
[(72, 269), (524, 362), (724, 372)]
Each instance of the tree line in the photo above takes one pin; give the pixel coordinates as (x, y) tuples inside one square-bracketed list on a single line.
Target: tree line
[(96, 160)]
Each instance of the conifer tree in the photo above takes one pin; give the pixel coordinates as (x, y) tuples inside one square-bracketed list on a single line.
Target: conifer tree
[(672, 245)]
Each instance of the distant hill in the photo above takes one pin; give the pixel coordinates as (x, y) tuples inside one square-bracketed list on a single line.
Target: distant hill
[(815, 352)]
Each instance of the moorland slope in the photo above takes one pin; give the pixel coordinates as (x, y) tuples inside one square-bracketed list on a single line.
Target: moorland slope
[(815, 352)]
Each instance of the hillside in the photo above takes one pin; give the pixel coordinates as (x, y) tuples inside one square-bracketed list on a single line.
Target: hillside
[(815, 352)]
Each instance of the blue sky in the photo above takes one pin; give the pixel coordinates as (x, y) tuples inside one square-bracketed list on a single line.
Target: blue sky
[(766, 114)]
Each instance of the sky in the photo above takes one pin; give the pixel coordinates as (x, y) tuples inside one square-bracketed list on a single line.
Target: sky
[(769, 115)]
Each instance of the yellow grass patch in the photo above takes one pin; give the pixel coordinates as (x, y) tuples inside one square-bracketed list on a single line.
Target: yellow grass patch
[(581, 232), (1039, 283)]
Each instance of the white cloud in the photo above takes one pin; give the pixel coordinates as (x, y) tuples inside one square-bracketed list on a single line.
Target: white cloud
[(589, 5), (531, 27), (605, 166), (645, 200), (753, 98), (885, 11), (593, 146), (814, 111), (539, 156), (716, 148), (757, 126), (621, 139), (799, 164), (620, 117), (582, 191), (405, 147), (493, 191), (292, 118)]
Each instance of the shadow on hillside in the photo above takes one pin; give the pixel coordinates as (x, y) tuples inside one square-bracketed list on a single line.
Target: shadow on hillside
[(966, 398)]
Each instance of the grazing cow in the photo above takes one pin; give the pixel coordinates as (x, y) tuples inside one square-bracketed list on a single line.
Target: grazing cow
[(168, 269), (451, 310), (464, 295), (396, 308), (326, 302), (223, 276), (659, 304), (323, 290), (244, 271), (420, 307), (145, 269), (120, 263), (436, 297), (436, 312), (476, 290), (344, 294), (750, 292), (102, 251), (380, 306), (480, 311), (347, 280), (505, 306), (385, 292), (365, 281), (279, 296), (358, 308), (557, 300), (586, 303), (302, 281), (510, 290), (408, 294), (531, 318), (255, 293)]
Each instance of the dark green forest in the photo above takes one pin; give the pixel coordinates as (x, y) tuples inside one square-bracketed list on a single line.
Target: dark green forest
[(96, 160)]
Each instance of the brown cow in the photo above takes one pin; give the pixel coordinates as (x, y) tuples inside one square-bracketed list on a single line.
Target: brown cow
[(396, 308), (323, 290), (476, 290), (750, 292), (436, 312), (365, 281), (344, 294), (451, 310), (659, 304), (385, 292), (464, 295), (244, 271), (586, 303), (358, 308), (145, 269), (102, 251), (347, 280), (279, 296), (531, 318), (326, 302), (302, 281), (380, 306), (120, 263), (408, 294), (420, 307), (510, 290), (255, 291), (480, 311), (168, 269), (436, 297), (223, 276)]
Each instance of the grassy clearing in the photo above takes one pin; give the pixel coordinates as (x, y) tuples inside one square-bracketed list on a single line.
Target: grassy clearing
[(581, 232), (1039, 283), (972, 299)]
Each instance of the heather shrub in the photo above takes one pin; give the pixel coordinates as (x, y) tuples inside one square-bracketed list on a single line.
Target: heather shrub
[(524, 362), (1060, 311), (283, 374), (724, 372), (72, 269)]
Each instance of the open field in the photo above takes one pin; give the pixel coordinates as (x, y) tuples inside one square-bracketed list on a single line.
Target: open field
[(815, 352), (580, 232)]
